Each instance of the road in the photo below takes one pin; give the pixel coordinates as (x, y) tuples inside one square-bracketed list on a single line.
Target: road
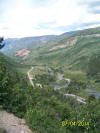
[(59, 78), (79, 99), (30, 77)]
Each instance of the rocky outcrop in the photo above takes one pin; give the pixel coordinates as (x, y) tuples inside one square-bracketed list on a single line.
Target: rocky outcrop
[(22, 53), (13, 124), (69, 42)]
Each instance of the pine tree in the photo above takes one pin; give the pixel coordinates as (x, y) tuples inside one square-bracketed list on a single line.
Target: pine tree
[(1, 42)]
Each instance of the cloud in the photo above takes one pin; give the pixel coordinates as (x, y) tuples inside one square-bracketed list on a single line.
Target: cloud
[(40, 17), (92, 5), (5, 28)]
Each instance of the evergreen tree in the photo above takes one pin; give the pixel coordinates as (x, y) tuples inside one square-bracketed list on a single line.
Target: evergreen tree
[(1, 42)]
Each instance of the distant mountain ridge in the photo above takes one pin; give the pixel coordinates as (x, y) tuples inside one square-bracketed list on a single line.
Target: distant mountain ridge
[(7, 43), (13, 45), (74, 51), (9, 40), (71, 49)]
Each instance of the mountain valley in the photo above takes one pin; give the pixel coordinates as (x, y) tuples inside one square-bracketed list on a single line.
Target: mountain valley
[(50, 80)]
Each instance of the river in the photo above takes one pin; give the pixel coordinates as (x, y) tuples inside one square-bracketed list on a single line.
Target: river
[(60, 77), (93, 92), (57, 87)]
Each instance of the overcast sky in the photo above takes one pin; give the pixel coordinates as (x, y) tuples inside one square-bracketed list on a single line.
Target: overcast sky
[(21, 18)]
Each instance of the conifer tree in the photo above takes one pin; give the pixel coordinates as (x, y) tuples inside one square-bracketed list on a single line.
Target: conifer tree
[(1, 42)]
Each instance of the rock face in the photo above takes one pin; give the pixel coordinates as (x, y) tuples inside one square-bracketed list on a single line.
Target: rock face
[(22, 53), (12, 124), (69, 42)]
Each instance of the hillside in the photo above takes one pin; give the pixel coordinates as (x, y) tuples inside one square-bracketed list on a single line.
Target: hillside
[(14, 45), (19, 43), (56, 87), (74, 51), (10, 81)]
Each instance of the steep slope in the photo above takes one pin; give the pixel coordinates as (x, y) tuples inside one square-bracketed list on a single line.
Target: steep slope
[(74, 51), (15, 44), (12, 98), (11, 83)]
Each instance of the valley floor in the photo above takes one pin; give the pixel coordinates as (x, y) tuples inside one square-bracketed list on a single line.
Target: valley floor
[(59, 78)]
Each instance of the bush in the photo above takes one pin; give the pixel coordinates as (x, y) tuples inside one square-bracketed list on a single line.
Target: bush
[(2, 130)]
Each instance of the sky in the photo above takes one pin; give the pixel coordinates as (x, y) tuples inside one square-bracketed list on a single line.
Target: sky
[(24, 18)]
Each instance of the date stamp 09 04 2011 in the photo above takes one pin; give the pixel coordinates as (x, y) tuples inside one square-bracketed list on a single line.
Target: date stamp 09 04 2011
[(73, 123)]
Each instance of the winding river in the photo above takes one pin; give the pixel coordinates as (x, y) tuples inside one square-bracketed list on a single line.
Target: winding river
[(68, 82), (57, 87)]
